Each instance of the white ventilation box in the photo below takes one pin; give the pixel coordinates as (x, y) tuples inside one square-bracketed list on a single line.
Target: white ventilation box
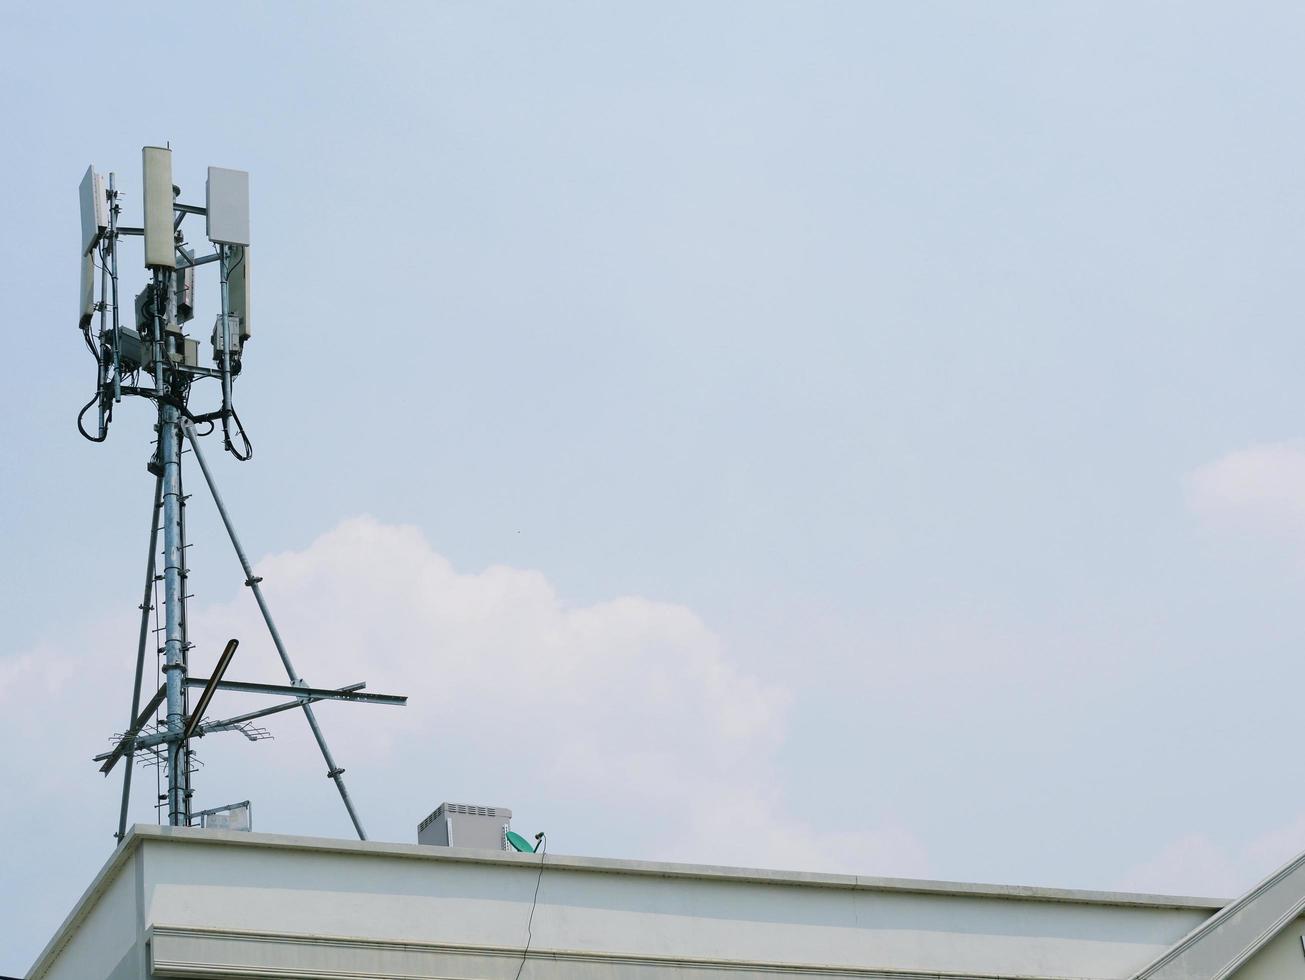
[(459, 825)]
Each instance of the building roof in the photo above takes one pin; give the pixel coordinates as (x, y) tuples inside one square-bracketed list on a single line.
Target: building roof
[(1221, 945), (190, 902)]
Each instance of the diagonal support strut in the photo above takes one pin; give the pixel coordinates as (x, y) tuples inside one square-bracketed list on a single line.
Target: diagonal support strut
[(145, 607), (333, 771)]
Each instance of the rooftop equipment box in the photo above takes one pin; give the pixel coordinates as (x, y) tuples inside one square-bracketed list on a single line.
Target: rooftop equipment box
[(457, 825)]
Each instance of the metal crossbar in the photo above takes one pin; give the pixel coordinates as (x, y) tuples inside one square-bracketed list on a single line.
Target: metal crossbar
[(133, 740)]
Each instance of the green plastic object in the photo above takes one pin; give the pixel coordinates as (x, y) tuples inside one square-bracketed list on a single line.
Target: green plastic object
[(519, 842)]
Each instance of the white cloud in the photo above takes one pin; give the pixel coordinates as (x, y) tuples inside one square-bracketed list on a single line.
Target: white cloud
[(631, 704), (1260, 489), (628, 692), (629, 714)]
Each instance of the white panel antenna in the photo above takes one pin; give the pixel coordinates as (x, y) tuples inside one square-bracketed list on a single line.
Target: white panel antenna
[(238, 283), (227, 206), (160, 245), (95, 211), (88, 290), (186, 285)]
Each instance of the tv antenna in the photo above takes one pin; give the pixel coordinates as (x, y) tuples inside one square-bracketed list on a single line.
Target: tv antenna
[(155, 344)]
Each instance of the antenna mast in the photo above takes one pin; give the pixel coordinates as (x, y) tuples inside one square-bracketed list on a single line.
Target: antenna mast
[(157, 345)]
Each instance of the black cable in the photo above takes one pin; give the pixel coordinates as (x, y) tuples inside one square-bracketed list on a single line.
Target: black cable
[(227, 442), (244, 437), (236, 266), (166, 398), (82, 429), (530, 923)]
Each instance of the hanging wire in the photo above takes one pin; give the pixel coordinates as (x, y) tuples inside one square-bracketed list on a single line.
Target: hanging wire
[(530, 923), (99, 392), (248, 452), (230, 446), (82, 414)]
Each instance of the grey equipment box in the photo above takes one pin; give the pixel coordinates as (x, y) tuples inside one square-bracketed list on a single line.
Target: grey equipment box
[(457, 825)]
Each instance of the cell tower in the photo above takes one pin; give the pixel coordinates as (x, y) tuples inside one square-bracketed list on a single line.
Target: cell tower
[(155, 344)]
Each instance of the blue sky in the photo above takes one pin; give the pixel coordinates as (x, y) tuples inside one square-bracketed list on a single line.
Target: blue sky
[(849, 435)]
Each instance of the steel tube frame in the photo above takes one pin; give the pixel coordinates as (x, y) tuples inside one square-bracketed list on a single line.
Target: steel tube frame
[(202, 260), (145, 607), (102, 378), (113, 273), (174, 652), (334, 772), (224, 723), (302, 691), (300, 695), (130, 740)]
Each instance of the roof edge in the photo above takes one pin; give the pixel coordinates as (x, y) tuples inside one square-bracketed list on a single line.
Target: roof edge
[(1283, 916), (660, 869)]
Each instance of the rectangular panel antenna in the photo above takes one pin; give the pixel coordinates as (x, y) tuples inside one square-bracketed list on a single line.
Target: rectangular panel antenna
[(160, 245), (227, 204), (95, 211), (88, 290), (238, 287), (186, 286)]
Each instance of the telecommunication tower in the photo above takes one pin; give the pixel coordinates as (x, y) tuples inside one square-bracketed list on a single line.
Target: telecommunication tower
[(151, 357)]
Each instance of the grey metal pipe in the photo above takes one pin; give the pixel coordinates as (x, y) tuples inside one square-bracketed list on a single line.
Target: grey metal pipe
[(301, 694), (221, 724), (145, 607), (301, 691), (184, 758), (184, 263), (173, 647), (103, 369), (113, 273), (334, 772)]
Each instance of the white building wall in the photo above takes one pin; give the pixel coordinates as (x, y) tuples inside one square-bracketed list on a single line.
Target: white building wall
[(256, 905), (100, 938), (1281, 958)]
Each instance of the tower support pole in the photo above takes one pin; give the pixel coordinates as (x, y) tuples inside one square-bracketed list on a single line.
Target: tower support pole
[(174, 666), (169, 462), (113, 276), (334, 772), (146, 605)]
